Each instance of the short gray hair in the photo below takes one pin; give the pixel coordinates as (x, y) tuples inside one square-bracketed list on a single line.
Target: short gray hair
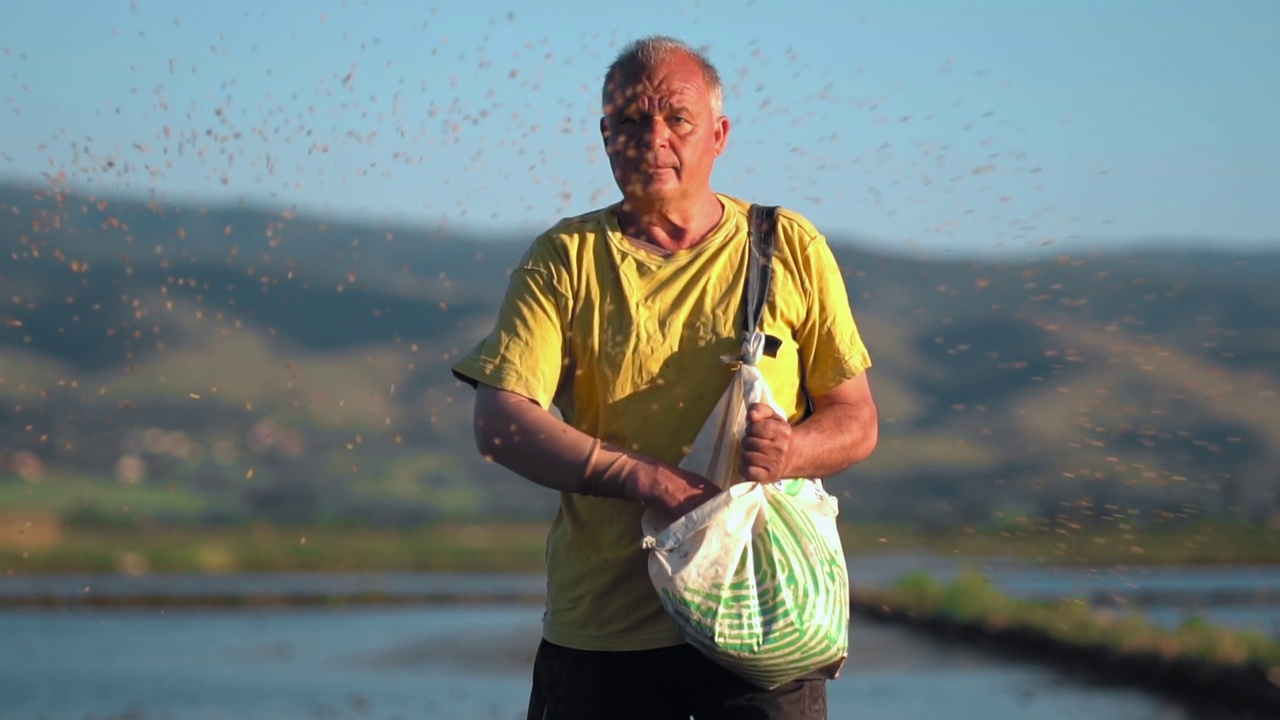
[(652, 51)]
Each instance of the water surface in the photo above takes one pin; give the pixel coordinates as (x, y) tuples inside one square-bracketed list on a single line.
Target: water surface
[(456, 662), (1242, 597)]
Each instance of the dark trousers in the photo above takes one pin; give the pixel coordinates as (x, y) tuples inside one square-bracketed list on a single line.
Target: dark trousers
[(670, 683)]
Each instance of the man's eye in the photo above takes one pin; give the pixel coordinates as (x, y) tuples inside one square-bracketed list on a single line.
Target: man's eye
[(677, 120)]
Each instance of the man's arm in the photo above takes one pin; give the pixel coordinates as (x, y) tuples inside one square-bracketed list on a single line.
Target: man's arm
[(520, 435), (842, 431)]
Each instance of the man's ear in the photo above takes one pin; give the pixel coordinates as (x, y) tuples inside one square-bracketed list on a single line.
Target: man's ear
[(604, 130), (721, 134)]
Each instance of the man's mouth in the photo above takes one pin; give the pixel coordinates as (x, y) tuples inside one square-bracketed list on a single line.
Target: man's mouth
[(653, 164)]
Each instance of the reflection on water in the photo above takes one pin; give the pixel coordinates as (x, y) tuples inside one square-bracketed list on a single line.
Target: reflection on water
[(456, 662), (447, 662), (466, 661), (1238, 597)]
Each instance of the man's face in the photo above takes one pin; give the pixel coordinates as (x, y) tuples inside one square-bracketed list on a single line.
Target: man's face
[(660, 132)]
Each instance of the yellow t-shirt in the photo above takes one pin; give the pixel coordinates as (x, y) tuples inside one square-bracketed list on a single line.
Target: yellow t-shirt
[(627, 344)]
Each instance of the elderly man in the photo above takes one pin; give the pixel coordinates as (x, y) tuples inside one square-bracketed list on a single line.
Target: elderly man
[(619, 318)]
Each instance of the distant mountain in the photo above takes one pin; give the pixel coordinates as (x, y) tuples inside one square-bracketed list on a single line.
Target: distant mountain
[(300, 369)]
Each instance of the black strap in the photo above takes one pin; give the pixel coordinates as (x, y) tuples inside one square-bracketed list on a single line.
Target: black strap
[(762, 229)]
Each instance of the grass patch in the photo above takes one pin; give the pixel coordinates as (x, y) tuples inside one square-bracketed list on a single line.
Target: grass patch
[(136, 542), (264, 548), (1113, 544), (68, 495), (970, 598), (436, 480)]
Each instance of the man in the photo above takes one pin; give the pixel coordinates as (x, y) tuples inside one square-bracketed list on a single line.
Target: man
[(619, 318)]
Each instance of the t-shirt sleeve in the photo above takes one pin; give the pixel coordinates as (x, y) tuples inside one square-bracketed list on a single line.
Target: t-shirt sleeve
[(525, 351), (831, 349)]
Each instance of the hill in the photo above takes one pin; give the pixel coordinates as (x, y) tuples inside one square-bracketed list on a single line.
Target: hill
[(246, 362)]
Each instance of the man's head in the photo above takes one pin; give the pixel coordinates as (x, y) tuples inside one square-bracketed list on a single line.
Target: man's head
[(662, 125)]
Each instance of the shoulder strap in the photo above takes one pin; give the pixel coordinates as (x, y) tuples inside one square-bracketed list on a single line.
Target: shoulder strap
[(762, 226)]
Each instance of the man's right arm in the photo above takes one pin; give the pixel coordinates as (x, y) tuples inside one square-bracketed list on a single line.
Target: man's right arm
[(520, 435)]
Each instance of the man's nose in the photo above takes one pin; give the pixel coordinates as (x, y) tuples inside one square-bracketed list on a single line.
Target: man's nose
[(656, 133)]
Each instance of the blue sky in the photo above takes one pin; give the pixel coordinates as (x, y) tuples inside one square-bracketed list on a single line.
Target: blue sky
[(977, 127)]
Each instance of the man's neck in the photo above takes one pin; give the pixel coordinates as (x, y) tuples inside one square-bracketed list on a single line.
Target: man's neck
[(670, 228)]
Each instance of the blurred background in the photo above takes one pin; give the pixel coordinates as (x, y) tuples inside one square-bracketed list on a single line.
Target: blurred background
[(244, 243)]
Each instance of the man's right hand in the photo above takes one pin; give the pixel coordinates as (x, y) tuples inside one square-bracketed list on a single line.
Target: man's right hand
[(672, 492), (611, 471), (522, 436)]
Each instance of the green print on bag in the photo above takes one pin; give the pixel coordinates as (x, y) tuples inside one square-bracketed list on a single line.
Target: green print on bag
[(755, 578), (782, 611)]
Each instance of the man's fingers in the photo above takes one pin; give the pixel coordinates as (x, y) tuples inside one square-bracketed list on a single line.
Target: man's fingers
[(763, 464), (766, 431), (758, 474), (760, 411), (765, 444), (766, 441), (757, 458)]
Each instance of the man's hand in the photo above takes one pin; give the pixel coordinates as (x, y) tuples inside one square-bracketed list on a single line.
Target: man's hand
[(672, 492), (766, 446)]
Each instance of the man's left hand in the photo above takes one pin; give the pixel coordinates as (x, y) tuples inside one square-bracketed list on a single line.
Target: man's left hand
[(766, 447)]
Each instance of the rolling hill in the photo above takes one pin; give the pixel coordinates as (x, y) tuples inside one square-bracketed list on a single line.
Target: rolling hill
[(296, 369)]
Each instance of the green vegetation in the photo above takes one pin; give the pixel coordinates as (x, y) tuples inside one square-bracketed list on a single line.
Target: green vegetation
[(295, 370), (432, 479), (971, 599), (262, 547), (1183, 543), (36, 540), (74, 496)]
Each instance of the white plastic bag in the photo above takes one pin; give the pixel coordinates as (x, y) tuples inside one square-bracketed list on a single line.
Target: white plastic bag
[(755, 577)]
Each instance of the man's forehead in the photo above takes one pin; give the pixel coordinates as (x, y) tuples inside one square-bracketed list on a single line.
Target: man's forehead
[(665, 94), (673, 82), (661, 97)]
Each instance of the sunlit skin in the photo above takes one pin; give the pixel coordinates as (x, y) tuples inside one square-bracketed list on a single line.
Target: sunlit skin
[(662, 136)]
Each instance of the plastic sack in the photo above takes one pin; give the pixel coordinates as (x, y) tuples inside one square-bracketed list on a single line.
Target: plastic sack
[(755, 577)]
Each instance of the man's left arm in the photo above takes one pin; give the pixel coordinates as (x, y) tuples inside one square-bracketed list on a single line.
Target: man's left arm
[(843, 430)]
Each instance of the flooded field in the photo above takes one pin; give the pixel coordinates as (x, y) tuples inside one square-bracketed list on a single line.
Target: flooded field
[(455, 662), (460, 646)]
